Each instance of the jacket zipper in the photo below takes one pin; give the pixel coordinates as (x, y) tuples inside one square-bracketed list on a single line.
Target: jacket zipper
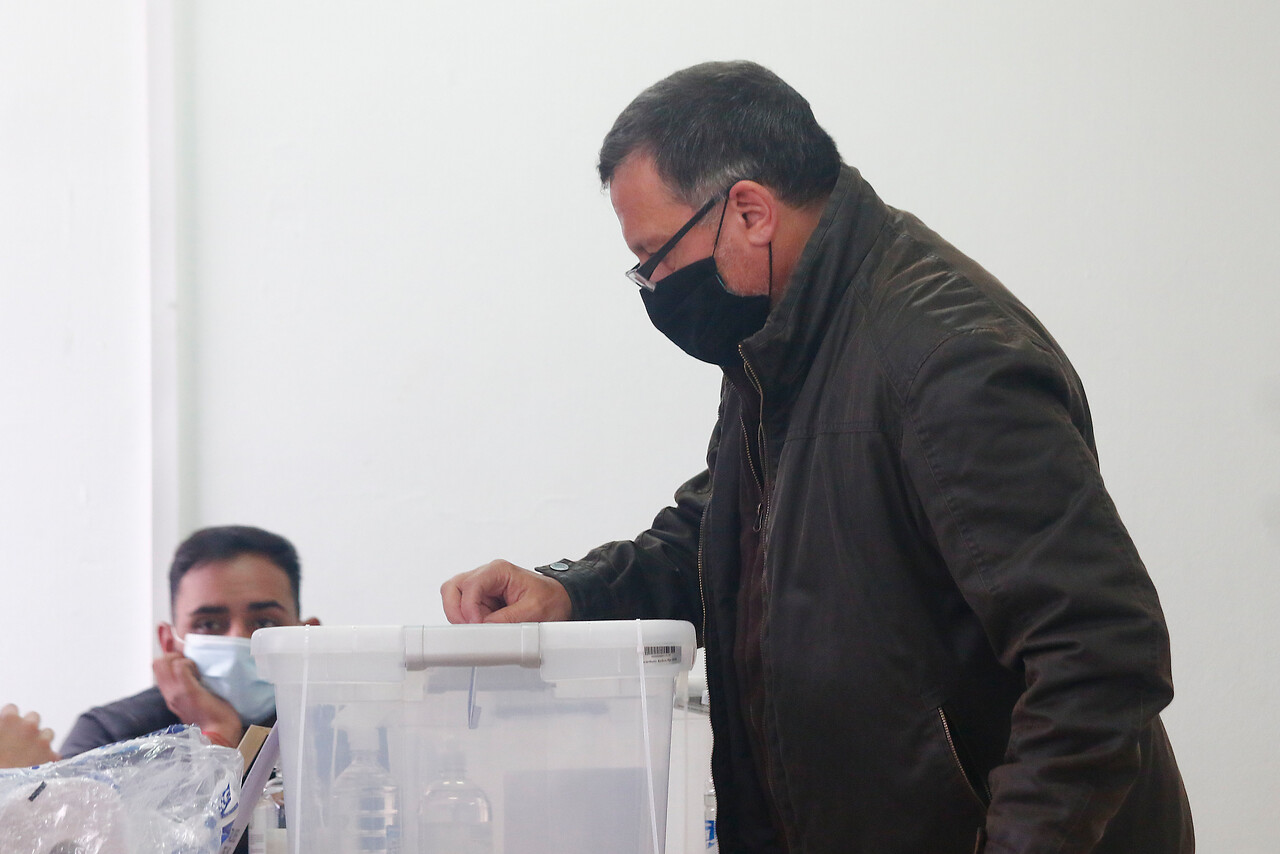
[(955, 756), (762, 521), (762, 516), (758, 524), (702, 595), (702, 590)]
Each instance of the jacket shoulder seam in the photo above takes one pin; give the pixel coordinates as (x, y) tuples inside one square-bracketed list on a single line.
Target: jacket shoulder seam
[(909, 417)]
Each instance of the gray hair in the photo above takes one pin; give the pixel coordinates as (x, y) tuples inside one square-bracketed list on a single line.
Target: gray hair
[(717, 123)]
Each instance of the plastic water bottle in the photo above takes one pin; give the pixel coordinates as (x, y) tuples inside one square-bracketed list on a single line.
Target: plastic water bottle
[(267, 833), (366, 802), (455, 816), (710, 837)]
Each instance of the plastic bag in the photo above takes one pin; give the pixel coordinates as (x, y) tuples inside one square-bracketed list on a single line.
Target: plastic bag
[(171, 792)]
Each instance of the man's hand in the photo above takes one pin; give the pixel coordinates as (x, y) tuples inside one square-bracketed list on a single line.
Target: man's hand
[(501, 592), (193, 703), (22, 741)]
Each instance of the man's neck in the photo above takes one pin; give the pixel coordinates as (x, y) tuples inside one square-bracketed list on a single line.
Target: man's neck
[(794, 231)]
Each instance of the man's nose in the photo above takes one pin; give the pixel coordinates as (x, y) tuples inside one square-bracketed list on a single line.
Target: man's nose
[(240, 629)]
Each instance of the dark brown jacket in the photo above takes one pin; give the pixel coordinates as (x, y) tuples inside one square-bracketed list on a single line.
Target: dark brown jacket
[(961, 648)]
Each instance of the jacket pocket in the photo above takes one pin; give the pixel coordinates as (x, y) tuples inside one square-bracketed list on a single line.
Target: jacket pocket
[(974, 782)]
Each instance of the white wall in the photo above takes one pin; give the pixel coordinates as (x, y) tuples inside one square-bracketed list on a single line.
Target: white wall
[(75, 554), (405, 342)]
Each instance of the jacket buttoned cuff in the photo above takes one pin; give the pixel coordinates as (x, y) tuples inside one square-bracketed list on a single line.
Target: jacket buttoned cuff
[(589, 595)]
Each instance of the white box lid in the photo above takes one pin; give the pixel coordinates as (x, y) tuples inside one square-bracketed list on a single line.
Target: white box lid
[(580, 649)]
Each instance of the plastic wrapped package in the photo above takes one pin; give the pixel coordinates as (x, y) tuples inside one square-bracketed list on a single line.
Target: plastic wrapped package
[(171, 792)]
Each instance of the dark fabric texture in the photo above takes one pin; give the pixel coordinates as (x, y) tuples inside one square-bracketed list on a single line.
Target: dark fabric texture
[(141, 714), (959, 645), (131, 717)]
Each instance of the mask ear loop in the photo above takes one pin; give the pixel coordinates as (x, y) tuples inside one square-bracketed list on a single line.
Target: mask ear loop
[(720, 226), (770, 271)]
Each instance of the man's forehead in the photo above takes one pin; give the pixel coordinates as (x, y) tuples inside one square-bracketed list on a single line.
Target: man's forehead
[(239, 580), (646, 208), (638, 174)]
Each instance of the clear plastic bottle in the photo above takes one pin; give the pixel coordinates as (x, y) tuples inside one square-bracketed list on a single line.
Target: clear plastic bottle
[(710, 837), (366, 802), (267, 832), (455, 816)]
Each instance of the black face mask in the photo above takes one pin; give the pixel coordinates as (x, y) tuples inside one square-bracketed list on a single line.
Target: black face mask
[(693, 309)]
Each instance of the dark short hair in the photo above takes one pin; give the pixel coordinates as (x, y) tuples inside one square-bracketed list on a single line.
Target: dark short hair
[(226, 542), (720, 122)]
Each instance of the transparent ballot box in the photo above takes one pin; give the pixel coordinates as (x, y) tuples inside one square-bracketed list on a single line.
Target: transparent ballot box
[(536, 738)]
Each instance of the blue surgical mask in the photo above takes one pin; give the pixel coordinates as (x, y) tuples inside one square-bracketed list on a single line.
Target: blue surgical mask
[(228, 670)]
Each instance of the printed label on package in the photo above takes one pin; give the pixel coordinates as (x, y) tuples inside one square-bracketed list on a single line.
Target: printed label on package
[(662, 655)]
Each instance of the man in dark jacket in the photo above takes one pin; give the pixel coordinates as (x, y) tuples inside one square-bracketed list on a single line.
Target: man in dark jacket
[(927, 630)]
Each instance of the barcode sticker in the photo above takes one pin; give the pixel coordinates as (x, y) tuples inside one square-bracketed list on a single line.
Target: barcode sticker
[(662, 655)]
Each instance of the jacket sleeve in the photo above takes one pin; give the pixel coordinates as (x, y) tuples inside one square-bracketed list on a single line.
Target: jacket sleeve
[(996, 443), (87, 733), (655, 575), (140, 714)]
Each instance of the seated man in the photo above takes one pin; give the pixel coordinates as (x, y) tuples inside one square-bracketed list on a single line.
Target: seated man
[(224, 583), (22, 741)]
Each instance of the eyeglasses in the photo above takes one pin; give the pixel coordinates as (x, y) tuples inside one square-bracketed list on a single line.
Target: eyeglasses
[(640, 273)]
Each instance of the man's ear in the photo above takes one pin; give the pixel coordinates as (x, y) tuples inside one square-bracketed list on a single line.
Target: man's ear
[(168, 640), (756, 207)]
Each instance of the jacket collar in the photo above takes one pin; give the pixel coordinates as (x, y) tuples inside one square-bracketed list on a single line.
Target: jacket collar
[(782, 351)]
